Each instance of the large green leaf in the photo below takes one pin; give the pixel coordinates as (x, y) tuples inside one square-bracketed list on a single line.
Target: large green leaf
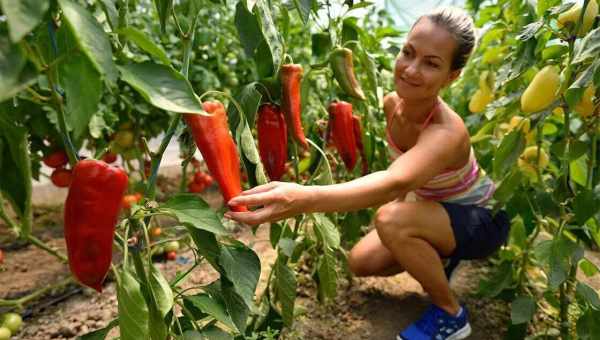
[(523, 309), (213, 306), (327, 274), (304, 7), (191, 210), (23, 16), (16, 73), (145, 43), (207, 245), (270, 32), (589, 47), (163, 295), (108, 6), (91, 38), (500, 279), (586, 204), (286, 290), (82, 101), (133, 311), (15, 168), (507, 154), (588, 294), (162, 87), (248, 28), (236, 307), (327, 230), (242, 268)]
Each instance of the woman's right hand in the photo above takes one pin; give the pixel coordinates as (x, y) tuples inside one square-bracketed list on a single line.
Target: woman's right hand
[(279, 200)]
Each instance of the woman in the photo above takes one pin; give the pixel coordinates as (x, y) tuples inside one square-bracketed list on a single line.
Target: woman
[(433, 158)]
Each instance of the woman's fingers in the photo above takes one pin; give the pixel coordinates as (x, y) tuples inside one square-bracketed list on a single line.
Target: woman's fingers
[(251, 217), (252, 200), (260, 188)]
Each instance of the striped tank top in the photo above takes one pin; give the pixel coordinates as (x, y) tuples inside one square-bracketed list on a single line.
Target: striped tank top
[(466, 185)]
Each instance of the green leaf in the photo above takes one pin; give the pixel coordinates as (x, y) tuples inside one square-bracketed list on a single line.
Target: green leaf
[(214, 333), (248, 28), (16, 73), (213, 306), (350, 29), (286, 290), (508, 186), (145, 43), (588, 326), (163, 7), (497, 282), (249, 100), (108, 6), (133, 311), (161, 290), (588, 268), (247, 144), (522, 310), (193, 211), (322, 174), (578, 170), (100, 334), (586, 204), (241, 266), (303, 7), (90, 37), (508, 152), (81, 101), (23, 16), (162, 87), (369, 67), (15, 167), (237, 308), (327, 230), (207, 245), (327, 274), (287, 246), (270, 32), (589, 47), (588, 294)]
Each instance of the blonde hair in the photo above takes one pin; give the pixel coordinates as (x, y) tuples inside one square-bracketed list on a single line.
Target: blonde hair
[(460, 25)]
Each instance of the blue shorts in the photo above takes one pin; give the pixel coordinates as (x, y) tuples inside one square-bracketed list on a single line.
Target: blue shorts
[(478, 233)]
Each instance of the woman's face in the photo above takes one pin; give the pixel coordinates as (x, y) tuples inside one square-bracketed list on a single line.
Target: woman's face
[(423, 66)]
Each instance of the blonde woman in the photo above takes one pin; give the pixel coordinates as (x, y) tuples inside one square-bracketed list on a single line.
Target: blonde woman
[(433, 157)]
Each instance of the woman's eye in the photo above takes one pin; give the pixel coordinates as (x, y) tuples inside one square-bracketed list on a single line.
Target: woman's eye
[(433, 65), (405, 52)]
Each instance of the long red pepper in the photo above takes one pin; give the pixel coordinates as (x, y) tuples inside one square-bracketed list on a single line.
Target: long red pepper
[(216, 145), (291, 79), (342, 132), (91, 211), (272, 140), (358, 137)]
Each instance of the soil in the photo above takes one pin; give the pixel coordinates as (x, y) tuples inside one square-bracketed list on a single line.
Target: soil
[(366, 308)]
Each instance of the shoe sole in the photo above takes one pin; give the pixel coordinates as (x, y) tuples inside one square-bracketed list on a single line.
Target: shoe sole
[(460, 334)]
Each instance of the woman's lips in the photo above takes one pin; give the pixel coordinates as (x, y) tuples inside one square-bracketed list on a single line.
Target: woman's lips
[(408, 82)]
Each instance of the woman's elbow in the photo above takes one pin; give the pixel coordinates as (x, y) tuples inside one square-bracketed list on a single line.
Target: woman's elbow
[(398, 186)]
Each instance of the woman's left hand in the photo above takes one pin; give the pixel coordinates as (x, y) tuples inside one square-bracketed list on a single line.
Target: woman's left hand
[(279, 200)]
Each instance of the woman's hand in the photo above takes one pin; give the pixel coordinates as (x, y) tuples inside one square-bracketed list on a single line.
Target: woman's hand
[(279, 200)]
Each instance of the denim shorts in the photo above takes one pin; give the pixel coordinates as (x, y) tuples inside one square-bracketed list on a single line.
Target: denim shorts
[(477, 231)]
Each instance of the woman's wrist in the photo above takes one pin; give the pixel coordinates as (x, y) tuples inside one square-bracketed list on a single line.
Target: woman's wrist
[(313, 194)]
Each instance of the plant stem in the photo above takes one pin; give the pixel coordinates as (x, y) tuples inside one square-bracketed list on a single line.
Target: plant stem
[(593, 161), (38, 243), (19, 303)]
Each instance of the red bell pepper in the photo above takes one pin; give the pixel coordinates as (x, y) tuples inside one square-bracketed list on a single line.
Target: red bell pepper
[(291, 79), (342, 132), (272, 140), (217, 147), (91, 211)]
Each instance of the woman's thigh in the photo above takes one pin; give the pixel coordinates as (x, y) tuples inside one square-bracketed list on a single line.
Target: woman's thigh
[(369, 257)]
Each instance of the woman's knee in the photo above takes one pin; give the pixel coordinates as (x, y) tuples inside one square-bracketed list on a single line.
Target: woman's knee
[(358, 263), (391, 221)]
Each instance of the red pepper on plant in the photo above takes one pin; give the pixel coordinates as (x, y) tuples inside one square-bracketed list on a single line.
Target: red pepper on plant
[(91, 211), (216, 145), (342, 132), (109, 157), (291, 79), (272, 140)]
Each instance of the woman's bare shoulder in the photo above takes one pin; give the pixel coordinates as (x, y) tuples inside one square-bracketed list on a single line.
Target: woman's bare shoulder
[(451, 125), (390, 103)]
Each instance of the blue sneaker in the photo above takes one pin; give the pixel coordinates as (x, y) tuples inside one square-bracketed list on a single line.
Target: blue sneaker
[(437, 324)]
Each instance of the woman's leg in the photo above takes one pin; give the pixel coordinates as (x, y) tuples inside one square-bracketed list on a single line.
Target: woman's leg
[(369, 257), (416, 233)]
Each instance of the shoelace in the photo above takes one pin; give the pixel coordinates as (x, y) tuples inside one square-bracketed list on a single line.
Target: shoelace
[(428, 324)]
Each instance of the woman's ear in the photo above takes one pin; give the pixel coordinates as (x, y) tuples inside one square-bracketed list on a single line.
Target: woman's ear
[(452, 76)]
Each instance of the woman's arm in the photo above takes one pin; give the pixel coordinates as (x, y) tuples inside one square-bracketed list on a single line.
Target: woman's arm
[(431, 155)]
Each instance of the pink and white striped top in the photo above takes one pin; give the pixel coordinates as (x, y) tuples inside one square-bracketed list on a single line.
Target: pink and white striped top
[(466, 185)]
